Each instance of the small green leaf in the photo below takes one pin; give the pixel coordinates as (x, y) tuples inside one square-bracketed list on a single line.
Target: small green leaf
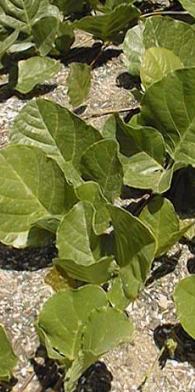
[(8, 359), (157, 63), (79, 82), (116, 294), (189, 6), (33, 71), (65, 37), (184, 297), (100, 163)]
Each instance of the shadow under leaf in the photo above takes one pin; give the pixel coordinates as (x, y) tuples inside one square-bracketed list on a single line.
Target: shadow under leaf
[(163, 266), (7, 92)]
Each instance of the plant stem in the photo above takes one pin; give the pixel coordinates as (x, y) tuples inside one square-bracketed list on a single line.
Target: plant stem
[(161, 12), (111, 111), (143, 386)]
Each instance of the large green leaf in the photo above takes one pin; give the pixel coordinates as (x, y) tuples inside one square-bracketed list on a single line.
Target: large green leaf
[(63, 317), (44, 33), (56, 131), (160, 32), (189, 6), (157, 63), (169, 106), (79, 82), (135, 249), (160, 217), (34, 71), (21, 15), (133, 48), (100, 163), (107, 27), (184, 297), (31, 188), (8, 359), (90, 191), (142, 155)]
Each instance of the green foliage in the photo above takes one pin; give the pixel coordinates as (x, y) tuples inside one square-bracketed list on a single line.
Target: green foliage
[(8, 359), (189, 6), (184, 298), (75, 327)]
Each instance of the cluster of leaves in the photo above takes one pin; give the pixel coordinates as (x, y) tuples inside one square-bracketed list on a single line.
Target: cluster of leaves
[(33, 33), (62, 180)]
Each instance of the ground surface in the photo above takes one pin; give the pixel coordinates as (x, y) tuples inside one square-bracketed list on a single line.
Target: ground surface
[(23, 291)]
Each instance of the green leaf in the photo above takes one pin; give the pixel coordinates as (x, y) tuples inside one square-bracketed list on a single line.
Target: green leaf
[(65, 37), (7, 43), (184, 297), (160, 217), (169, 106), (90, 191), (157, 63), (79, 82), (189, 6), (142, 155), (100, 163), (58, 132), (44, 33), (133, 48), (177, 36), (31, 188), (21, 15), (112, 4), (116, 294), (107, 27), (79, 248), (63, 317), (135, 250), (8, 359), (35, 70), (69, 6)]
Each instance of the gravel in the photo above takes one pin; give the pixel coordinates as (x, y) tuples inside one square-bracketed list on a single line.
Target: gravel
[(23, 290)]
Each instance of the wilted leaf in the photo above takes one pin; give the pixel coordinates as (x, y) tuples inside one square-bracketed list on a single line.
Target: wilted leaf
[(100, 163), (184, 297), (8, 359), (79, 82), (58, 132), (157, 63), (31, 188)]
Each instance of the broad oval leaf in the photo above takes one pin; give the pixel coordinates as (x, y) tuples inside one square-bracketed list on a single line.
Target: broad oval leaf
[(107, 27), (31, 187), (63, 317), (184, 297), (8, 359), (33, 71), (157, 63), (160, 217), (169, 106), (44, 33), (79, 82), (135, 250), (101, 164), (58, 132)]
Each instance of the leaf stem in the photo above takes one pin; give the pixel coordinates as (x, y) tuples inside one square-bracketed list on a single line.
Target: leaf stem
[(161, 12), (111, 111)]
